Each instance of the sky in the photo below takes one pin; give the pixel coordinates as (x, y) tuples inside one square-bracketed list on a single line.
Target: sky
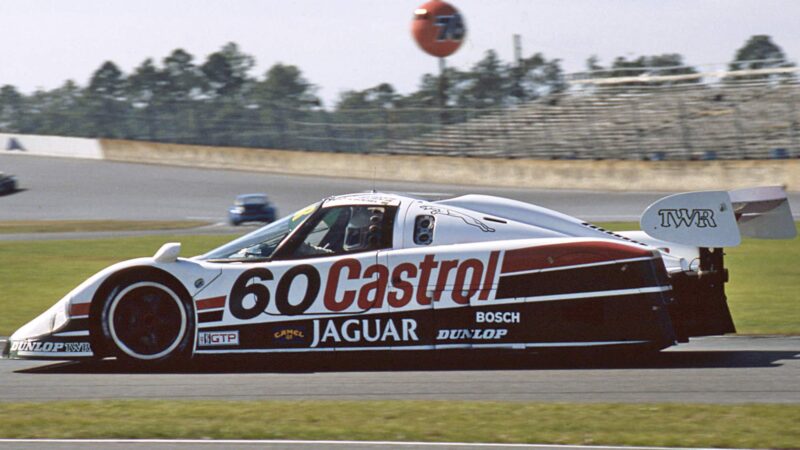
[(355, 44)]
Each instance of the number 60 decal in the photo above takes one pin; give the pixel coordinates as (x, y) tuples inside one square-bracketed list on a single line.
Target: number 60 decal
[(241, 289), (248, 283)]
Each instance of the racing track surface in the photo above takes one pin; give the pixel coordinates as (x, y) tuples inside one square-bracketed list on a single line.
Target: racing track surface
[(61, 188), (707, 370)]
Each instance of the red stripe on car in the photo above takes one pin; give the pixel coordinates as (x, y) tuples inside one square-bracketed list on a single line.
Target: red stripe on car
[(208, 303), (571, 254), (79, 309), (489, 280)]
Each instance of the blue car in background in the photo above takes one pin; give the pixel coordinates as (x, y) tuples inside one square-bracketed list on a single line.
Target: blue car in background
[(252, 208), (8, 183)]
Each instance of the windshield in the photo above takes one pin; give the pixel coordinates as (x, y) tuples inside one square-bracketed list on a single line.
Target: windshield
[(261, 243), (251, 200)]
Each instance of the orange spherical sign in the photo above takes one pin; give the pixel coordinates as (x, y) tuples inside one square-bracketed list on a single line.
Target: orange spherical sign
[(438, 28)]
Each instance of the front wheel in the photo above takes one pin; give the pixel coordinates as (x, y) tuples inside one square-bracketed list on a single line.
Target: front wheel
[(149, 321)]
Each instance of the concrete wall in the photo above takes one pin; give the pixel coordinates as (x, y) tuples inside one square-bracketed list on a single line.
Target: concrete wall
[(67, 147), (522, 173), (589, 175)]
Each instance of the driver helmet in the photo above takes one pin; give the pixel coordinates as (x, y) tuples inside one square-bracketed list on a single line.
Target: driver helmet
[(363, 229)]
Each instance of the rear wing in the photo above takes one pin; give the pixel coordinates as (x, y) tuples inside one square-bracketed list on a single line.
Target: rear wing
[(716, 219)]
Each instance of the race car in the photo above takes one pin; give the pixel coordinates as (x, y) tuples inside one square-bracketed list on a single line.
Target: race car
[(251, 208), (391, 272), (8, 183)]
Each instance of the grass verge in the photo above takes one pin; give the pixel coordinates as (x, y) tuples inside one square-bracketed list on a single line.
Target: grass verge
[(35, 274), (752, 426), (89, 226), (764, 284)]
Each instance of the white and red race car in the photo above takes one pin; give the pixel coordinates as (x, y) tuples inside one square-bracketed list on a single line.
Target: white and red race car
[(381, 272)]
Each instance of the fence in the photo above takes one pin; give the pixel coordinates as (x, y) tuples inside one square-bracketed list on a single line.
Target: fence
[(747, 114), (741, 120), (637, 113)]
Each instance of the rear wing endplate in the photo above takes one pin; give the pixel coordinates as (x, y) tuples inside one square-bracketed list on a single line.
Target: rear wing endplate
[(717, 219)]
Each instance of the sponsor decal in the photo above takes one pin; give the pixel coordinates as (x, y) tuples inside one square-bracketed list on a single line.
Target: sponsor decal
[(356, 198), (410, 282), (289, 334), (364, 330), (497, 317), (79, 309), (423, 283), (676, 218), (210, 303), (480, 334), (50, 347), (469, 220), (218, 338)]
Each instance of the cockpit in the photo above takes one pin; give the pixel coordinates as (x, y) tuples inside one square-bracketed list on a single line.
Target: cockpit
[(321, 229)]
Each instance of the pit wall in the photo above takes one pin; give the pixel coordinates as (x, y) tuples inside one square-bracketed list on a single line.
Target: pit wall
[(535, 174), (667, 176)]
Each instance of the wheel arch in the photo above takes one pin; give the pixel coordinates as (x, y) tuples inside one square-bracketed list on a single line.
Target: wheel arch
[(125, 276)]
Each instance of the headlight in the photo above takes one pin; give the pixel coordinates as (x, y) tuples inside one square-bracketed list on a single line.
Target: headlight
[(61, 315), (47, 322)]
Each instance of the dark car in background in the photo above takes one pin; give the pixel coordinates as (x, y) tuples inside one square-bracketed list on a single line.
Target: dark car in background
[(252, 208), (8, 183)]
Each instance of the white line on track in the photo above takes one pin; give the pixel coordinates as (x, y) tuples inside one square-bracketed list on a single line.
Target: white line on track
[(338, 443)]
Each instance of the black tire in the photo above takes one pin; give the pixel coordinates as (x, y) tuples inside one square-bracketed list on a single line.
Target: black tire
[(148, 319)]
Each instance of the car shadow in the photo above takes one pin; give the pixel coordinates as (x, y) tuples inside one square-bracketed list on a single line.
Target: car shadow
[(15, 191), (422, 361)]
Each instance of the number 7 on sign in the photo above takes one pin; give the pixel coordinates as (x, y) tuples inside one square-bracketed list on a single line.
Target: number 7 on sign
[(451, 27)]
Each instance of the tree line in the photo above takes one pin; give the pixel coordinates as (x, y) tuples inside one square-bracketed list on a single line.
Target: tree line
[(220, 102)]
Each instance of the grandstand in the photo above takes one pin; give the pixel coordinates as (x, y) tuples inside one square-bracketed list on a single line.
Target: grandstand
[(639, 113), (732, 115)]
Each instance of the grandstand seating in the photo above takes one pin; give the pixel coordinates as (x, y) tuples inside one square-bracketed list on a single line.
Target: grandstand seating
[(731, 119)]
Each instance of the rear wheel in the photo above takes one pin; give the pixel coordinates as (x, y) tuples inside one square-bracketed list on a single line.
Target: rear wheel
[(148, 320)]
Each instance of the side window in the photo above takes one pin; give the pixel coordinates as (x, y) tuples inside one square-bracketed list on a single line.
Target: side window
[(347, 229)]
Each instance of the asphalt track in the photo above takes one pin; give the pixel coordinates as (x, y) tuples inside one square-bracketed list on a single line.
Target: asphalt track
[(61, 188), (735, 369)]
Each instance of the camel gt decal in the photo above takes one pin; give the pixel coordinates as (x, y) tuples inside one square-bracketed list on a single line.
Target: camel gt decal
[(289, 334)]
